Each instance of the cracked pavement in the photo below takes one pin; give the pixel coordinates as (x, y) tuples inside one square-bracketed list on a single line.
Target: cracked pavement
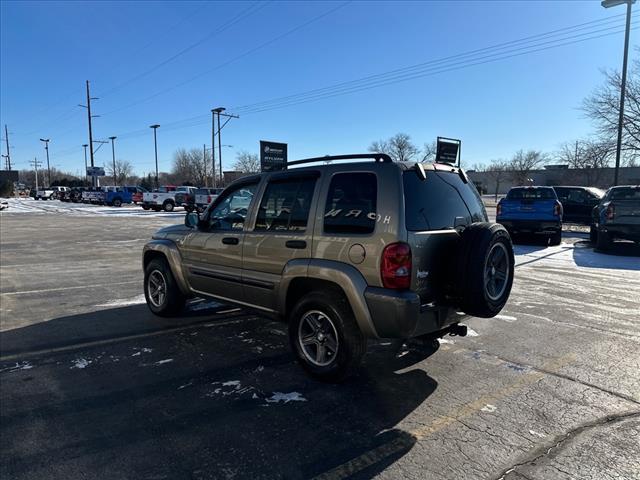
[(92, 385)]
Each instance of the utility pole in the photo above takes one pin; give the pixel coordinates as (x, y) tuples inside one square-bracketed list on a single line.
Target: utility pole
[(113, 156), (623, 85), (85, 162), (35, 164), (89, 117), (204, 162), (155, 146), (8, 155), (219, 111), (46, 148), (575, 158), (214, 182)]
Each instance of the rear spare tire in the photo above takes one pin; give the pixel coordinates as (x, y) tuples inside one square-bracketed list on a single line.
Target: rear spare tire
[(485, 269)]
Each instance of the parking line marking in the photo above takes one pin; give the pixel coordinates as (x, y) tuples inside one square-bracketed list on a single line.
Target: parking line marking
[(109, 341), (25, 292), (381, 452)]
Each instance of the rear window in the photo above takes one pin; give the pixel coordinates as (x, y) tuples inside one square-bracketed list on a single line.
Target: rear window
[(351, 206), (436, 203), (531, 194), (202, 191), (625, 193)]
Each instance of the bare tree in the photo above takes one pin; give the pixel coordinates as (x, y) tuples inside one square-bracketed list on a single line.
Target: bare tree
[(429, 152), (247, 162), (587, 159), (399, 147), (123, 171), (190, 166), (603, 105), (498, 171), (522, 163)]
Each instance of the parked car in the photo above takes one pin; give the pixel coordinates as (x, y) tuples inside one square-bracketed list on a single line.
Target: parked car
[(204, 196), (164, 198), (116, 196), (578, 202), (617, 216), (75, 194), (50, 193), (533, 210), (343, 252), (186, 198)]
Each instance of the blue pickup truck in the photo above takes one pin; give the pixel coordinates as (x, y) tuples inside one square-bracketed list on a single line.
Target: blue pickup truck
[(531, 210)]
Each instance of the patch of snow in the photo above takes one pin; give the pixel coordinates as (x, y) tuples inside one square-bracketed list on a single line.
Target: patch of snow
[(506, 318), (162, 362), (489, 408), (185, 385), (445, 340), (471, 332), (124, 302), (231, 383), (537, 434), (18, 366), (81, 363), (286, 397)]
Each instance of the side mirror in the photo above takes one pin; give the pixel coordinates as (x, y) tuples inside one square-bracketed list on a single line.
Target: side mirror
[(191, 219)]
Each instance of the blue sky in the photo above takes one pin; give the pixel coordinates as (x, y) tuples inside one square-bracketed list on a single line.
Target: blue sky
[(134, 50)]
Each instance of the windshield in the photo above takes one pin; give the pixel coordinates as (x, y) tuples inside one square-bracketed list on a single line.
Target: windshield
[(624, 193)]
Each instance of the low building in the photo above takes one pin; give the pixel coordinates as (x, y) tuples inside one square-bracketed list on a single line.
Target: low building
[(552, 175)]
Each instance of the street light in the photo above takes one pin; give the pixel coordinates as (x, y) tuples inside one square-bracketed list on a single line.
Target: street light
[(46, 147), (113, 156), (85, 162), (623, 84), (155, 145), (219, 110)]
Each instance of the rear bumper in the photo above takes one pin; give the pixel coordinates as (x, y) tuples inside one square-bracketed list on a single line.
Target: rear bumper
[(400, 314), (625, 232), (532, 226)]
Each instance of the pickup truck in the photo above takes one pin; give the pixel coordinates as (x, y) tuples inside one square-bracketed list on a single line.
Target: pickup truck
[(186, 199), (617, 216), (50, 193), (531, 210), (163, 198), (204, 196)]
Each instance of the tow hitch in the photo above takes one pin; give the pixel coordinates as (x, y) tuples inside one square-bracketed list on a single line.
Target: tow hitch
[(458, 330)]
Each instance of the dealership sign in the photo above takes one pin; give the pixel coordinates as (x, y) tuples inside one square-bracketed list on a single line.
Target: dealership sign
[(448, 150), (273, 156), (95, 172)]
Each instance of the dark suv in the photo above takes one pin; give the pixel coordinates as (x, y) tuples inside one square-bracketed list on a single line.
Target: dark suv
[(578, 202), (343, 252), (617, 216)]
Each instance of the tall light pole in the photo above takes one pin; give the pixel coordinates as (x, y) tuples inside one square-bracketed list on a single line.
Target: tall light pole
[(85, 162), (623, 85), (113, 157), (155, 146), (46, 148), (213, 148)]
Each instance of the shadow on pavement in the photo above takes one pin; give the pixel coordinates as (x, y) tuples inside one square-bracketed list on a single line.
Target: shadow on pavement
[(621, 255), (221, 401)]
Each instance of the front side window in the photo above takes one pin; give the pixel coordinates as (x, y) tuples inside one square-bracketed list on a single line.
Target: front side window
[(231, 212), (351, 206), (285, 205)]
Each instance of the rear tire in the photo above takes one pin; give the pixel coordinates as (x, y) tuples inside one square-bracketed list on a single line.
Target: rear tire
[(485, 269), (556, 238), (593, 235), (325, 336), (145, 207), (161, 291), (117, 202), (168, 206), (604, 241)]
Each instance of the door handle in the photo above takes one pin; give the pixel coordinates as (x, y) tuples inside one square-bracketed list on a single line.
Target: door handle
[(296, 244), (230, 241)]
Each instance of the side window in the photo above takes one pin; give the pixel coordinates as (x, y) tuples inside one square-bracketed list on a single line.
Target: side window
[(351, 203), (285, 205), (230, 213), (562, 193)]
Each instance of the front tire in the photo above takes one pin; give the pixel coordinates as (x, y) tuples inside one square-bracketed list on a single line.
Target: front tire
[(556, 238), (168, 206), (117, 202), (325, 336), (161, 291)]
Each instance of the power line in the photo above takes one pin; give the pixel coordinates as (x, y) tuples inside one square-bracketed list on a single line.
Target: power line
[(384, 79), (231, 60), (230, 23)]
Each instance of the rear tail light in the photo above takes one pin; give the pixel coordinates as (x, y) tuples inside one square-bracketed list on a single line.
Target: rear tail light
[(557, 209), (209, 199), (498, 209), (395, 268), (611, 212)]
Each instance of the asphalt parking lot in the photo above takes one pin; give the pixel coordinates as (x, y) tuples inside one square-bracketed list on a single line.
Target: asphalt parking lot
[(94, 386)]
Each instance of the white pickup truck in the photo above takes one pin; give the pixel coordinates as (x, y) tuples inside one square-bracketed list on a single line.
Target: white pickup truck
[(50, 193), (163, 198), (204, 196)]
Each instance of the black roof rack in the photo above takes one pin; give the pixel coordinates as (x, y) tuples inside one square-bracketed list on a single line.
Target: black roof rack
[(378, 157)]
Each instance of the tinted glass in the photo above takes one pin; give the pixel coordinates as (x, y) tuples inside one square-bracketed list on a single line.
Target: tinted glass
[(625, 193), (532, 194), (285, 205), (435, 203), (231, 211), (351, 205)]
